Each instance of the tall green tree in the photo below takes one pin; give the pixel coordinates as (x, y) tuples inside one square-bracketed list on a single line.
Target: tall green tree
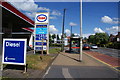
[(99, 38)]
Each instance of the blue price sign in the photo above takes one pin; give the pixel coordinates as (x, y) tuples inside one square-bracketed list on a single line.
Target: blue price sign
[(41, 36), (41, 43), (14, 51), (41, 30)]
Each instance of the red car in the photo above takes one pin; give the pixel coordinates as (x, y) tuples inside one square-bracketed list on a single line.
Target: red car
[(86, 47)]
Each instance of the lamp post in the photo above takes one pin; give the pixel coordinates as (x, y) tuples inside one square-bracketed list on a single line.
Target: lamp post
[(80, 56), (62, 47), (70, 38)]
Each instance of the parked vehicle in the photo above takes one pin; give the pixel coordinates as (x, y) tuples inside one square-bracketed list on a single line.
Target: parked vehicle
[(28, 48), (86, 47), (94, 47)]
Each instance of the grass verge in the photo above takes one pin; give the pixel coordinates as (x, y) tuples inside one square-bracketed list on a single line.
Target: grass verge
[(54, 51), (38, 61)]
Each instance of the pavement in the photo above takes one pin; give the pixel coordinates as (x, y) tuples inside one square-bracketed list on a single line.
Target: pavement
[(67, 65)]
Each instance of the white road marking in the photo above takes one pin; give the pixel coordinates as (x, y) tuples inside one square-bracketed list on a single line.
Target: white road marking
[(66, 73), (47, 72)]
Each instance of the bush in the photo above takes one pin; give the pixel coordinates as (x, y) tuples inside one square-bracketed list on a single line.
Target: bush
[(54, 51), (115, 45), (110, 45)]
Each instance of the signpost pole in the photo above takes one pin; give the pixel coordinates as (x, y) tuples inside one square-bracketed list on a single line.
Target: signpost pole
[(34, 37), (25, 69), (1, 67), (48, 36)]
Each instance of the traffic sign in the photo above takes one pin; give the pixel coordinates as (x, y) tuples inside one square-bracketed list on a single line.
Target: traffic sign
[(14, 51)]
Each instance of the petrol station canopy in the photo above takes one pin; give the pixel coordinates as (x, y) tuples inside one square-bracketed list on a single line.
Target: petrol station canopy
[(14, 22)]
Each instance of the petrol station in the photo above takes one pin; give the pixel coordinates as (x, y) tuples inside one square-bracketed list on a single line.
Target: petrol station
[(13, 23)]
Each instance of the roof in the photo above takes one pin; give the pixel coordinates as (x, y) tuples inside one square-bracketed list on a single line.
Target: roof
[(13, 10)]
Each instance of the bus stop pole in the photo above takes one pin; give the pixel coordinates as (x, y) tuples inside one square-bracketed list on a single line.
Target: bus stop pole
[(80, 56)]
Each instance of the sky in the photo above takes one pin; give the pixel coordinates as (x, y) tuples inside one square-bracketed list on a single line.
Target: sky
[(98, 17)]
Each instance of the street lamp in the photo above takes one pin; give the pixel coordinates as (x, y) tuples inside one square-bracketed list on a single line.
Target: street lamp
[(80, 56), (62, 47)]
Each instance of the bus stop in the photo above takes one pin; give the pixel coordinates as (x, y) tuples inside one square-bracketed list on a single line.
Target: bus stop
[(74, 44)]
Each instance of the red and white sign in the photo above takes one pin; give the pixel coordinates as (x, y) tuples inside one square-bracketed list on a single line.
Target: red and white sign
[(42, 18)]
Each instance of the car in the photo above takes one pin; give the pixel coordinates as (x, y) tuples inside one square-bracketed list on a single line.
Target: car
[(86, 47), (94, 46), (29, 48)]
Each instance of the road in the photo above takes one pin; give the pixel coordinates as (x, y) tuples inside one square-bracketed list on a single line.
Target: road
[(108, 51), (66, 65)]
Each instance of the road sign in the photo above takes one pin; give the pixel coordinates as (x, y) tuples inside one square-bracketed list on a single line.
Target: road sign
[(14, 51), (42, 18)]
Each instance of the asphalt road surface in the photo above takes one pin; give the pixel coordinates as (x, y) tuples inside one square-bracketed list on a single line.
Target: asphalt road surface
[(67, 66), (108, 51)]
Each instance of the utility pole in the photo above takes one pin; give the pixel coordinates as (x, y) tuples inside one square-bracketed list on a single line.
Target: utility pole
[(80, 56), (62, 47)]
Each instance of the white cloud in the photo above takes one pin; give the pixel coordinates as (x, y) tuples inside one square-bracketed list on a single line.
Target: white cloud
[(98, 30), (44, 8), (107, 19), (25, 5), (55, 12), (31, 15), (72, 24), (53, 17), (52, 29), (113, 30), (87, 35), (67, 31)]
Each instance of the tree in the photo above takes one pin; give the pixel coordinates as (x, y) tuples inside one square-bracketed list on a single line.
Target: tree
[(50, 38), (73, 35), (100, 39), (91, 39), (53, 36), (58, 37)]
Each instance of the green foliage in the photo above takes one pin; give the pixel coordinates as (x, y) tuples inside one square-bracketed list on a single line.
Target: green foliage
[(101, 39), (55, 45), (53, 36), (115, 45), (73, 35), (58, 37), (54, 51)]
